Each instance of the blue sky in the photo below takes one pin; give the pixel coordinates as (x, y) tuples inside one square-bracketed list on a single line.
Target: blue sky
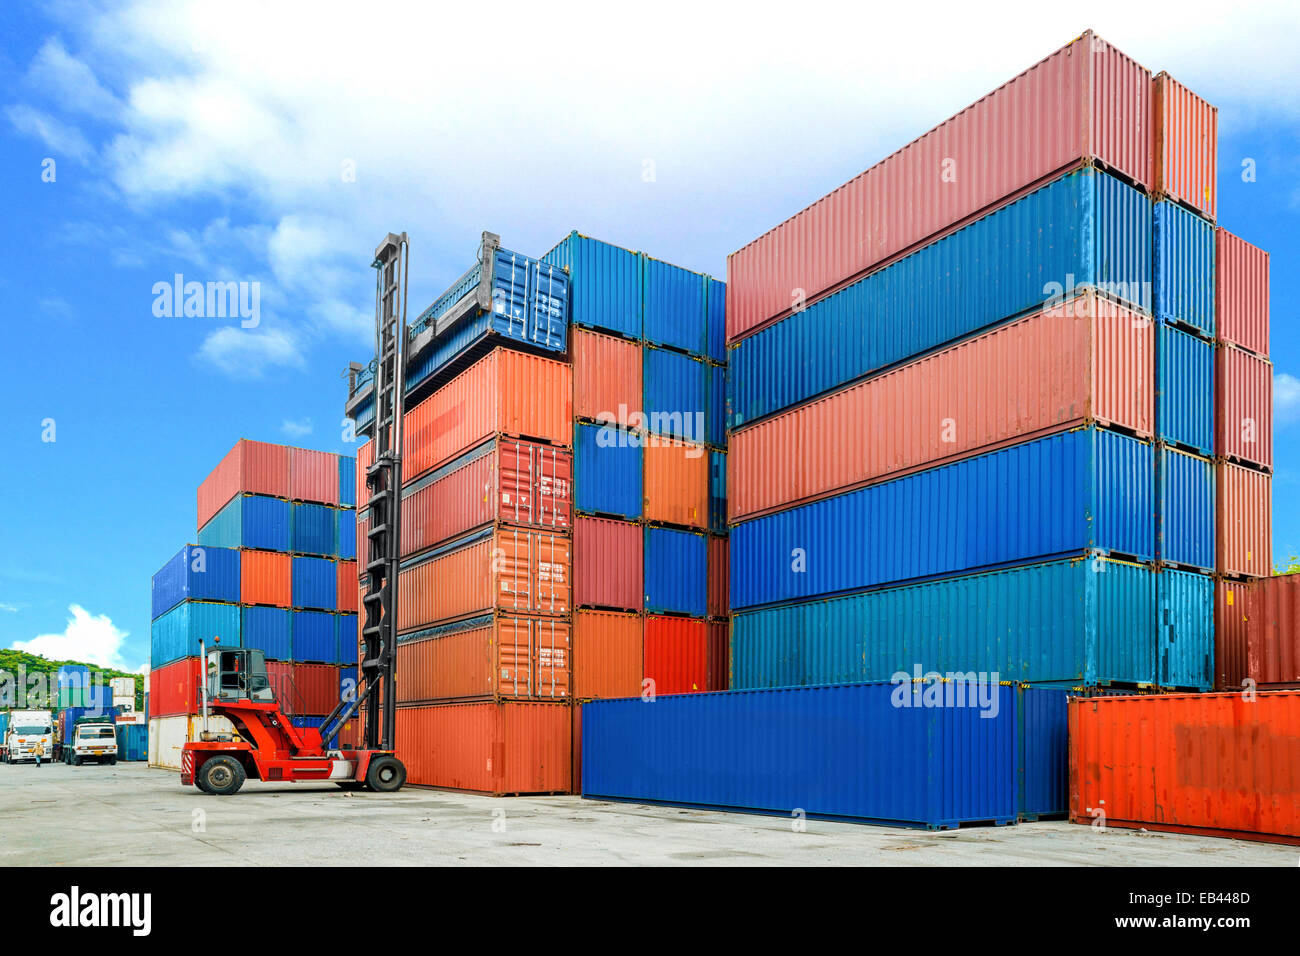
[(243, 142)]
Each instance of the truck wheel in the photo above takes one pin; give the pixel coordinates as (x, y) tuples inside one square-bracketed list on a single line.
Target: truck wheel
[(76, 761), (112, 761), (385, 774), (221, 776)]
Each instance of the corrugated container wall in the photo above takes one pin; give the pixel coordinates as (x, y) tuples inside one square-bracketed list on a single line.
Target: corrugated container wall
[(494, 656), (177, 633), (1185, 622), (249, 521), (676, 657), (1187, 146), (1244, 407), (1232, 608), (676, 483), (1241, 293), (673, 303), (676, 394), (1244, 520), (606, 376), (251, 466), (1183, 266), (266, 577), (608, 564), (719, 577), (605, 284), (313, 476), (1184, 390), (1184, 509), (607, 654), (196, 572), (268, 630), (1273, 630), (315, 583), (676, 569), (609, 467)]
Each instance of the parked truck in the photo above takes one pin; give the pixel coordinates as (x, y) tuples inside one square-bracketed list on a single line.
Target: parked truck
[(87, 735), (30, 732)]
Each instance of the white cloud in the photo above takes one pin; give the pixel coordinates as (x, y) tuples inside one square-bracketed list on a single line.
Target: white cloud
[(6, 606), (1286, 398), (58, 75), (250, 353), (92, 639), (63, 138), (296, 429)]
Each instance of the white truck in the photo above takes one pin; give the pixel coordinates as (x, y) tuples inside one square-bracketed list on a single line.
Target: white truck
[(94, 739), (30, 732)]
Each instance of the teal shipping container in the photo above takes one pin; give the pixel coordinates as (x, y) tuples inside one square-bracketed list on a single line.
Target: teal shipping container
[(132, 741), (249, 521), (177, 633), (1184, 509), (1186, 629), (1183, 266)]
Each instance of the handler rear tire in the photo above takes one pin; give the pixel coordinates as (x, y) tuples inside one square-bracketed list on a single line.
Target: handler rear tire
[(220, 776), (385, 774)]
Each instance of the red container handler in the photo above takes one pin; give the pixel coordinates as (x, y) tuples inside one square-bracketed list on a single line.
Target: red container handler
[(1241, 299), (1243, 420), (1210, 764), (313, 476), (608, 564), (676, 654), (251, 466), (1243, 532)]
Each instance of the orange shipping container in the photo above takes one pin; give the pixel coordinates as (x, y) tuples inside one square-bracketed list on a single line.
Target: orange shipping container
[(1187, 145), (265, 577), (1243, 503), (347, 586), (499, 656), (251, 466), (606, 654), (676, 487), (1086, 360), (512, 747), (1241, 300), (313, 476), (1218, 764), (606, 376), (1244, 406), (365, 458), (505, 392), (675, 654), (501, 569)]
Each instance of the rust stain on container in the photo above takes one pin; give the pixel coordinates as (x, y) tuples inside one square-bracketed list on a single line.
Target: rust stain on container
[(607, 654), (676, 487), (1243, 503), (506, 656), (1241, 296), (1187, 146), (606, 376), (1243, 419)]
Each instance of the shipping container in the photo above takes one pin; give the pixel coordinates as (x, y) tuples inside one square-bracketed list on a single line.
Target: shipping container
[(348, 585), (1042, 719), (675, 655), (607, 654), (673, 307), (676, 394), (1185, 628), (719, 571), (496, 655), (196, 573), (249, 521), (365, 458), (503, 480), (313, 476), (266, 577), (1085, 231), (1232, 610), (168, 736), (1089, 489), (345, 533), (315, 583), (268, 630), (1184, 509), (676, 572), (1085, 102), (1183, 266), (608, 564), (505, 569), (1241, 299), (717, 671), (606, 376), (177, 633), (505, 392), (315, 638), (251, 467), (133, 742), (676, 487), (512, 747), (717, 491), (1213, 764), (715, 415), (605, 284), (348, 480), (315, 723), (1187, 146), (312, 692), (1084, 621), (1184, 390), (608, 470), (1243, 501), (313, 529), (715, 319), (175, 687), (1087, 360), (1243, 407), (935, 755), (1273, 630)]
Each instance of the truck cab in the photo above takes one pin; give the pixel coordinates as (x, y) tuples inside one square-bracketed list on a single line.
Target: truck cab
[(30, 732), (92, 739)]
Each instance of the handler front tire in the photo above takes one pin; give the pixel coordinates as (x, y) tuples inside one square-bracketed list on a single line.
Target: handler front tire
[(385, 774), (220, 776)]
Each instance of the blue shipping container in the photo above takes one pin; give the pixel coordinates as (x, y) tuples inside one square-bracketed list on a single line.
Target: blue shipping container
[(1186, 628), (607, 466), (676, 394), (267, 629), (718, 492), (315, 583), (673, 306), (315, 637), (716, 320), (249, 521), (1085, 230), (177, 633), (676, 580), (347, 533), (715, 417), (604, 284), (1084, 620), (912, 755), (348, 636), (348, 480), (348, 682), (316, 722), (314, 527), (1184, 390), (1184, 509), (197, 572), (132, 741), (1184, 267), (1042, 728), (1088, 489)]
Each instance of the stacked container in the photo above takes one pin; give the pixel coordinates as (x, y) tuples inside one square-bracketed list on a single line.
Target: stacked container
[(274, 568)]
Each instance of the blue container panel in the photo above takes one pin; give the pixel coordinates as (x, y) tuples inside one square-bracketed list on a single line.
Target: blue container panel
[(249, 521), (347, 533), (673, 304), (676, 580), (1084, 230), (1184, 390), (1082, 621), (347, 640), (176, 634), (718, 492), (676, 394), (197, 572), (1185, 509), (607, 471), (841, 751), (716, 319), (267, 629), (1064, 494), (604, 284), (132, 741), (1184, 267), (715, 419), (316, 722), (314, 527), (315, 637), (1186, 628), (315, 583), (1042, 715), (347, 480)]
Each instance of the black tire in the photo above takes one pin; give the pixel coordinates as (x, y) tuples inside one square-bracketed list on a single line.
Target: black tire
[(385, 774), (221, 776), (112, 761), (76, 761), (350, 784)]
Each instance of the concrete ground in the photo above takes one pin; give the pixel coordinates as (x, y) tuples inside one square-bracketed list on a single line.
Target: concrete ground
[(130, 814)]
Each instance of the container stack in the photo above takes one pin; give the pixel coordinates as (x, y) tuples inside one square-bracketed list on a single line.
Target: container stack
[(274, 568)]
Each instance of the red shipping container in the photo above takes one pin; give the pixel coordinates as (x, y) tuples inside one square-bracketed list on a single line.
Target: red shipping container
[(1243, 418), (1273, 630), (251, 466), (508, 569), (174, 688), (1241, 299), (577, 740), (676, 655), (365, 458), (280, 675), (608, 564), (607, 654), (503, 480), (505, 392), (1087, 360), (266, 577), (505, 657), (719, 577), (313, 690), (512, 747), (313, 476), (606, 376), (1232, 600), (1213, 764), (347, 586), (718, 672), (1087, 101), (1243, 531), (1187, 146), (676, 486)]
